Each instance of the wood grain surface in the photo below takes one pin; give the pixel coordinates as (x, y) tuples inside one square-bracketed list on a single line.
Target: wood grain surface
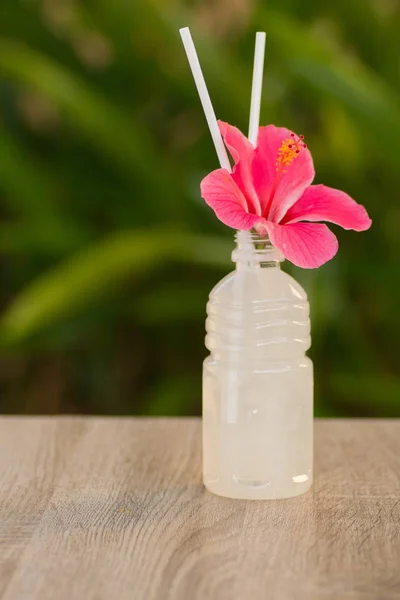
[(113, 508)]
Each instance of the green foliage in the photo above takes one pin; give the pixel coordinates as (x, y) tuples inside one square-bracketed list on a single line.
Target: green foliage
[(107, 251)]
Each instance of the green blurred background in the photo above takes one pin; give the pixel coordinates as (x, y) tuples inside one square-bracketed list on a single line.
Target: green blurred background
[(107, 252)]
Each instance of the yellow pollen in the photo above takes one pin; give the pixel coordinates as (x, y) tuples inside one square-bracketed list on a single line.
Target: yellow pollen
[(289, 150)]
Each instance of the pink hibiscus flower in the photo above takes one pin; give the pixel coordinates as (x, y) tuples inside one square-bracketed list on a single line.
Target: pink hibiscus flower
[(270, 190)]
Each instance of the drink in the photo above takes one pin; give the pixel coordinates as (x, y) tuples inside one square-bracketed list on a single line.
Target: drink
[(258, 382)]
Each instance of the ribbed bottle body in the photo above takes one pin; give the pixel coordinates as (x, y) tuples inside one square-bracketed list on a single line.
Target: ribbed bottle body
[(258, 386)]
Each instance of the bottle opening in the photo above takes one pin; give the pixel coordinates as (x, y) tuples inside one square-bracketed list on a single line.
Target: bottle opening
[(251, 249)]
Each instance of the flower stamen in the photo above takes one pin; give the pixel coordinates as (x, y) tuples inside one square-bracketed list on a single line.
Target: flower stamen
[(288, 151)]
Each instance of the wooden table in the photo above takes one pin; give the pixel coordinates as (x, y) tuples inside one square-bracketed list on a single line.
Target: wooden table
[(113, 508)]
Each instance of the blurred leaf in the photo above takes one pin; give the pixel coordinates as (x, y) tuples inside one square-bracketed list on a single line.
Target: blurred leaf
[(46, 239), (171, 304), (371, 31), (162, 21), (31, 191), (374, 394), (83, 278), (120, 138), (172, 397), (207, 250), (368, 97)]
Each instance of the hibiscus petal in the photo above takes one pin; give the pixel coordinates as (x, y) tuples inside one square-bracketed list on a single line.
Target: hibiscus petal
[(322, 203), (242, 153), (221, 192), (290, 185), (237, 143), (307, 245)]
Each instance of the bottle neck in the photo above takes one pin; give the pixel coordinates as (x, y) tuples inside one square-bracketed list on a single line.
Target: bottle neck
[(255, 252)]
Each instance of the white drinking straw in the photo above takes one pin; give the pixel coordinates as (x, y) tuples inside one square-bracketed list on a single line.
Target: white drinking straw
[(205, 98), (258, 70)]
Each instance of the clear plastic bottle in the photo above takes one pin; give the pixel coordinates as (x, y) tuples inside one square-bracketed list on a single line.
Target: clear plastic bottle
[(257, 381)]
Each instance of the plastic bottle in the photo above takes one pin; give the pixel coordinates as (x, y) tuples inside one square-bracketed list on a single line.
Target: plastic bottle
[(257, 381)]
